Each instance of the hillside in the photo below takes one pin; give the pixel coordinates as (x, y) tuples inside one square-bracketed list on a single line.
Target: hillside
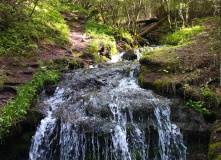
[(40, 40), (191, 71)]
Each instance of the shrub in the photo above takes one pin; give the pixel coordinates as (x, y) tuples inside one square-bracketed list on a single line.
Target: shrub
[(105, 36), (182, 35), (16, 111), (101, 35), (20, 33), (198, 106)]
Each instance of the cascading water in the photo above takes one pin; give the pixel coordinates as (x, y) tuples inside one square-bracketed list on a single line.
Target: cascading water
[(102, 114)]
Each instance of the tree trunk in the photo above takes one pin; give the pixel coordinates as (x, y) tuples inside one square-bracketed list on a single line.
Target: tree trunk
[(181, 14), (102, 13), (36, 2), (152, 27), (187, 11), (187, 14), (168, 12), (175, 18)]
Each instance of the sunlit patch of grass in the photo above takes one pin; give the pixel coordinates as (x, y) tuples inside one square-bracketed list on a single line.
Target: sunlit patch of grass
[(182, 35), (45, 25), (51, 25), (105, 36), (101, 37)]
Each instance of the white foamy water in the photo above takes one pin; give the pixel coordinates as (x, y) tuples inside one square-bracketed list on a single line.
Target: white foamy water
[(103, 114)]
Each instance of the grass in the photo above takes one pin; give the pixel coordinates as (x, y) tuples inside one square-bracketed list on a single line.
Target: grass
[(16, 111), (101, 35), (20, 37), (183, 35), (105, 36), (186, 68), (50, 25)]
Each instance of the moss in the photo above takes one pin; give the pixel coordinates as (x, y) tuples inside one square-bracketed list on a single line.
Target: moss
[(213, 148), (143, 82), (97, 58), (126, 46), (210, 97), (182, 35), (76, 63), (218, 158), (158, 85), (61, 61)]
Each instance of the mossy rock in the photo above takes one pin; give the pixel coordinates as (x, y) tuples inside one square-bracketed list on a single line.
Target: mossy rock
[(129, 55), (219, 157), (18, 143), (158, 85), (143, 82), (74, 64), (141, 41), (161, 83), (215, 151), (215, 142), (148, 62)]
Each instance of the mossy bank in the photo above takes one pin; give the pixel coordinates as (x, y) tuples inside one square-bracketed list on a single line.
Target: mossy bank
[(190, 70)]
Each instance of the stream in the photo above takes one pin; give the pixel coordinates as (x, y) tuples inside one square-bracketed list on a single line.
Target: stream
[(101, 113)]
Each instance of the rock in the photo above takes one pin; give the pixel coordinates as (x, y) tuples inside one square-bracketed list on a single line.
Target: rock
[(196, 132), (186, 118), (129, 55), (215, 143), (49, 90)]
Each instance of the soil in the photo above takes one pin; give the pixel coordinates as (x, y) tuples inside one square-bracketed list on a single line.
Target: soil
[(199, 58), (15, 71), (191, 71)]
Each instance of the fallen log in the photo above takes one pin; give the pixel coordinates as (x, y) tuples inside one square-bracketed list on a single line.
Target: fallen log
[(147, 21), (152, 27), (150, 20)]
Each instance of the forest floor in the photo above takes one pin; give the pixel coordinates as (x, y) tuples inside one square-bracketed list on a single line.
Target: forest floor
[(194, 63), (15, 71), (191, 70)]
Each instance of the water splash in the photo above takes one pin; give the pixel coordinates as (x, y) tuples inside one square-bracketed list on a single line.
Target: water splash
[(103, 114)]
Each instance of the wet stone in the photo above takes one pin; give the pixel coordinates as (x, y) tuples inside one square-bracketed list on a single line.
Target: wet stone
[(102, 112)]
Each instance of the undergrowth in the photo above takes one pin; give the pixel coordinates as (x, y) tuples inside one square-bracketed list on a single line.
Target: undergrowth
[(24, 31), (182, 35), (16, 111), (198, 106), (105, 36)]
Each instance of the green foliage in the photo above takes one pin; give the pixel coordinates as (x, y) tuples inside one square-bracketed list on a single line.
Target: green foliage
[(182, 35), (101, 35), (93, 26), (78, 9), (198, 106), (213, 150), (210, 96), (105, 36), (17, 109), (50, 24), (207, 93), (20, 35)]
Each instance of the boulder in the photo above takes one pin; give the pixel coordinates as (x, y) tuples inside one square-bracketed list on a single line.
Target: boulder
[(129, 55)]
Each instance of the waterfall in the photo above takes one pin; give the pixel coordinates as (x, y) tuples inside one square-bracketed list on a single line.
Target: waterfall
[(102, 114)]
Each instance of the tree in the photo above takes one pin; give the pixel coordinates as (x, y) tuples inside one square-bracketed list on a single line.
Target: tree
[(168, 12)]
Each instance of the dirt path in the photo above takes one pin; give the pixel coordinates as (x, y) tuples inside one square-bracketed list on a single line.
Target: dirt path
[(16, 71)]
